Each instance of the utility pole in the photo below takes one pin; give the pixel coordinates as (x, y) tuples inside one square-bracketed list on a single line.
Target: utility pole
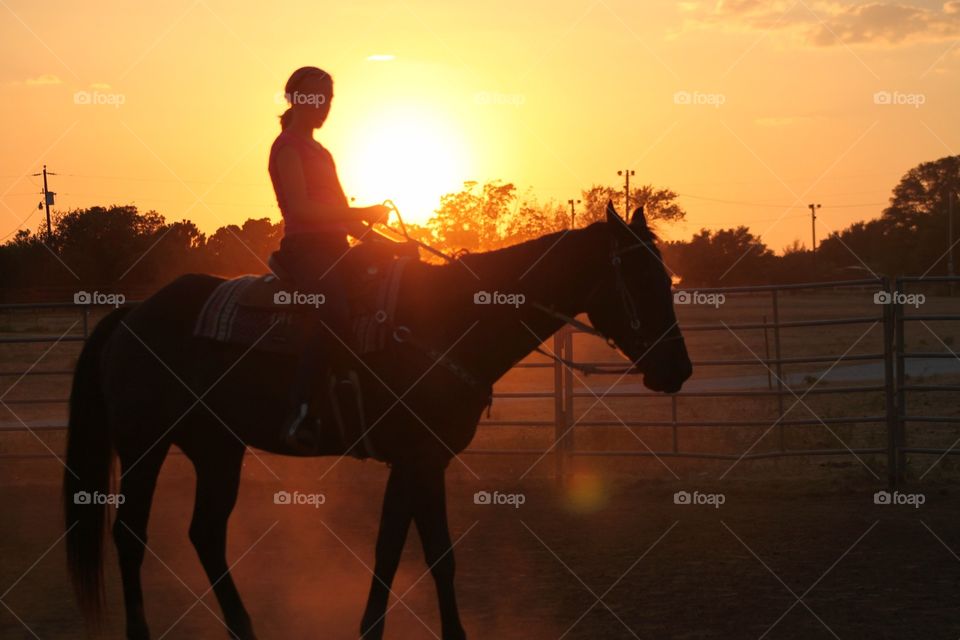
[(573, 213), (48, 198), (626, 173), (813, 227)]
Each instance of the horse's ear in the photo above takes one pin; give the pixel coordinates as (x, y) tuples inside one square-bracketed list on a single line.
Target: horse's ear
[(638, 220), (612, 215)]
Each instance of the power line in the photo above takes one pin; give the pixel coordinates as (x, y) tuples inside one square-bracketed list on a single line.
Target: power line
[(135, 179), (776, 206)]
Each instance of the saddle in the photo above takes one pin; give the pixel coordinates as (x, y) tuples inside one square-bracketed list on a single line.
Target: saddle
[(269, 313)]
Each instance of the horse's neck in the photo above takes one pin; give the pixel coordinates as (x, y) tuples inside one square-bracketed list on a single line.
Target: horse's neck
[(556, 272)]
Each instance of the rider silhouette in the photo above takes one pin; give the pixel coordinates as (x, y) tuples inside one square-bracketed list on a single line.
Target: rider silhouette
[(317, 219)]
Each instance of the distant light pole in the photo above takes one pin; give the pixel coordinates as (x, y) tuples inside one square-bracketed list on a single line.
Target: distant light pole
[(626, 173), (813, 226), (573, 212)]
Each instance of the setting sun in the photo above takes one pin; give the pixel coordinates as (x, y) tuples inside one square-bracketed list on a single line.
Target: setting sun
[(407, 154)]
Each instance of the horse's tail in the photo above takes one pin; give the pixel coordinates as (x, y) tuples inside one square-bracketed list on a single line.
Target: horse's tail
[(87, 474)]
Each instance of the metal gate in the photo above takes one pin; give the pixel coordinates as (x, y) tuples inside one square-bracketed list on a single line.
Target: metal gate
[(891, 316)]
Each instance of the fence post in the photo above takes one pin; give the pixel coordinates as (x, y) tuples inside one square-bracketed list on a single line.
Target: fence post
[(899, 426), (568, 441), (558, 405), (766, 352), (777, 353), (673, 419), (889, 384)]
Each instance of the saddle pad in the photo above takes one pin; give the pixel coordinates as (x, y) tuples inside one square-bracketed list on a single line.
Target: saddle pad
[(229, 315)]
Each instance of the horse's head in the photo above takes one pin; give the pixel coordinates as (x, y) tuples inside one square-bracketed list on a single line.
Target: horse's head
[(633, 305)]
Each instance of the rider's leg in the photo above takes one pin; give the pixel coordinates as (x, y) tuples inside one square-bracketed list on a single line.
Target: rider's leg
[(326, 346)]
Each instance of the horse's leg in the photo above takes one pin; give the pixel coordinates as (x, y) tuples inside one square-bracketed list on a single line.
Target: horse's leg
[(138, 480), (430, 514), (218, 480), (394, 524)]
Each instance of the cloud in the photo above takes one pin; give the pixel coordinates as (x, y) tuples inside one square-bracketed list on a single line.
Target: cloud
[(44, 79), (891, 24), (825, 23)]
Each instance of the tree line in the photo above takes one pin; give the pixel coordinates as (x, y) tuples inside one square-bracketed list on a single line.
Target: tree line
[(126, 249)]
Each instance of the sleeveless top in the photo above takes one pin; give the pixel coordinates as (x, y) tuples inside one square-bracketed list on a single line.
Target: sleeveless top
[(320, 175)]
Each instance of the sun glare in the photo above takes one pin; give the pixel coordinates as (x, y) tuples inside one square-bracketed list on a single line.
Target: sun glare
[(409, 156)]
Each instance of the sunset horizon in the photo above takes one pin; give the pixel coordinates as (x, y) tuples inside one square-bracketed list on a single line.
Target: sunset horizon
[(767, 110)]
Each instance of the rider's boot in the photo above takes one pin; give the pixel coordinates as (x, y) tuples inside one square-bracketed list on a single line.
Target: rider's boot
[(323, 355)]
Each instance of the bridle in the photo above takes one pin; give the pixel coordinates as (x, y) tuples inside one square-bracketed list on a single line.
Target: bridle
[(629, 307)]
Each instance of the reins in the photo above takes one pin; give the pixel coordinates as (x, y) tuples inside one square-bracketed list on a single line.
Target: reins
[(403, 334)]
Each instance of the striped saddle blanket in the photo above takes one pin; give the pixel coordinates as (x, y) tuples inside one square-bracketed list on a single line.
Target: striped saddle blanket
[(269, 314)]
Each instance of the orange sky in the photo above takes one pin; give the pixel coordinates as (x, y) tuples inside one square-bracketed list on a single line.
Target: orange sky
[(749, 109)]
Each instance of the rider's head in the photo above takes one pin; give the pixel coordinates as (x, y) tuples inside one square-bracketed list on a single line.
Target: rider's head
[(309, 92)]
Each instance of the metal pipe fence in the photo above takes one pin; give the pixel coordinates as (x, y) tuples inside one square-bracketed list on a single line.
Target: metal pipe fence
[(565, 388)]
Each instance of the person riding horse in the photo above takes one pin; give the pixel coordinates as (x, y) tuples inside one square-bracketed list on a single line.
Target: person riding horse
[(317, 219)]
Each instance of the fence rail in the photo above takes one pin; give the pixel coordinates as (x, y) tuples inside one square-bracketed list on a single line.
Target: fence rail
[(892, 354)]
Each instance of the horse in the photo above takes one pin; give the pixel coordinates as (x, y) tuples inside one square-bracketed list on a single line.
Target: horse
[(144, 382)]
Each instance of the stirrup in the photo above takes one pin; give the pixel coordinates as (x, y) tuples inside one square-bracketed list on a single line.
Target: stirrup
[(296, 435)]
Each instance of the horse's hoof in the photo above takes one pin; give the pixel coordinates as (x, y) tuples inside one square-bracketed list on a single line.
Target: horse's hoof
[(138, 631), (372, 631), (242, 631), (456, 634)]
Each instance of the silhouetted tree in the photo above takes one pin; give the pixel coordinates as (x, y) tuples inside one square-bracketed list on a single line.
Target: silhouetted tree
[(726, 257), (659, 205)]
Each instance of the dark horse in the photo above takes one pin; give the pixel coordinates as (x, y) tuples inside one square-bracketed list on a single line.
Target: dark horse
[(143, 383)]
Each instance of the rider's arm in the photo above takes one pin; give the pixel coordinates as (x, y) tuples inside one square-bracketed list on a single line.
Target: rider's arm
[(301, 207)]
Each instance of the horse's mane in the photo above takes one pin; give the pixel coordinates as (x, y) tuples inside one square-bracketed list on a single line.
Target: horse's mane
[(559, 242)]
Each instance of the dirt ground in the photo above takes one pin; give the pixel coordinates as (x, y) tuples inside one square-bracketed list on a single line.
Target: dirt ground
[(778, 559), (798, 549)]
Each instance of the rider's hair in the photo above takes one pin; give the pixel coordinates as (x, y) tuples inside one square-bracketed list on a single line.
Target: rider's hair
[(293, 83)]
